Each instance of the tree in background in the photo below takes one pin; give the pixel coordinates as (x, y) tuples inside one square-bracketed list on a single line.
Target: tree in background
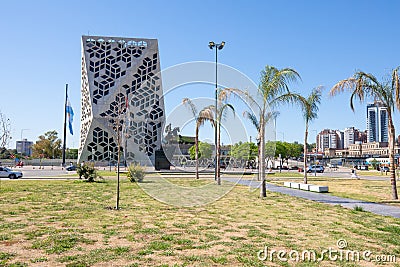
[(246, 151), (204, 150), (363, 85), (5, 130), (311, 147), (72, 153), (281, 149), (48, 146), (7, 153), (294, 150)]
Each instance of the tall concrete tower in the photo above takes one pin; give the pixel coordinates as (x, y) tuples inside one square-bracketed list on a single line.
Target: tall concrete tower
[(122, 103)]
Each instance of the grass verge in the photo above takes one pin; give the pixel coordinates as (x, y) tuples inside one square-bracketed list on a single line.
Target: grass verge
[(67, 223)]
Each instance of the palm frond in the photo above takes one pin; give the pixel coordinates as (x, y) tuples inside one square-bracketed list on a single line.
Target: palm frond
[(207, 114), (222, 113), (187, 102), (272, 115), (313, 102), (245, 96), (341, 86), (290, 75), (361, 86), (276, 82), (223, 94), (396, 86), (252, 118), (287, 98)]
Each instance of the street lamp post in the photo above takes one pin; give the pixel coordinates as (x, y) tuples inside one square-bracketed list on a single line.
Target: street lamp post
[(217, 47)]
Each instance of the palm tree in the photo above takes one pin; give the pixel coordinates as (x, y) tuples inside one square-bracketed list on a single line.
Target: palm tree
[(204, 115), (271, 115), (310, 108), (273, 90), (363, 85), (220, 114)]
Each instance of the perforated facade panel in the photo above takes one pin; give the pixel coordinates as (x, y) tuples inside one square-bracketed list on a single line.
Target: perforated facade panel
[(121, 93)]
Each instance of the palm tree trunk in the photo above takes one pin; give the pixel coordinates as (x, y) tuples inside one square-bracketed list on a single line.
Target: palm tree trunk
[(261, 169), (196, 156), (258, 159), (391, 156), (305, 153)]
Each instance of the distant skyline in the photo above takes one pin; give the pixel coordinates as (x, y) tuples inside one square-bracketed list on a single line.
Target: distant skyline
[(325, 41)]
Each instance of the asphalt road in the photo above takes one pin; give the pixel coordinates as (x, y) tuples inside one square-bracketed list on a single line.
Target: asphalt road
[(30, 172)]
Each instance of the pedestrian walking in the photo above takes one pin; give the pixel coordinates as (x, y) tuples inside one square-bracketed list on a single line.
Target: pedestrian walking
[(354, 173)]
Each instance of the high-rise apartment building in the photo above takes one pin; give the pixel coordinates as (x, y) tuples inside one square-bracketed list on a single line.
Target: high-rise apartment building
[(24, 147), (328, 139), (377, 122), (340, 139), (349, 136)]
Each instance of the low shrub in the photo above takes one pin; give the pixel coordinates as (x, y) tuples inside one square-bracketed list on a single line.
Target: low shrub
[(87, 171), (135, 173), (358, 208)]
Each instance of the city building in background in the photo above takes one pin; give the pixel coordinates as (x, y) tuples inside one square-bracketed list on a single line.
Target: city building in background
[(352, 135), (328, 139), (351, 143), (24, 147), (340, 139), (121, 93), (377, 123)]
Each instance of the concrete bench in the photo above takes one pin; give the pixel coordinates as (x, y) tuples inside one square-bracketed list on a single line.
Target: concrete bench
[(307, 187), (318, 188)]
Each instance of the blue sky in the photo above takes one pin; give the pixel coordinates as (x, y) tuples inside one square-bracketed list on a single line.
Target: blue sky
[(325, 41)]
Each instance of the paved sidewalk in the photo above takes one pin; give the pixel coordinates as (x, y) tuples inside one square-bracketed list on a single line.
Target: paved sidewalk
[(376, 208)]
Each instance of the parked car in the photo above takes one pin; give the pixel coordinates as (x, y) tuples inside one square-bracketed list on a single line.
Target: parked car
[(384, 169), (222, 165), (7, 172), (316, 168), (71, 168), (362, 167)]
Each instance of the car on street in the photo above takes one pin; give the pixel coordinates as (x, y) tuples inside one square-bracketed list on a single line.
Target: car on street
[(71, 168), (9, 173), (316, 168), (222, 165), (384, 169)]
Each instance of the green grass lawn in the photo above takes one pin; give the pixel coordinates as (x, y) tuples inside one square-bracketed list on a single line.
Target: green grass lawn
[(71, 223)]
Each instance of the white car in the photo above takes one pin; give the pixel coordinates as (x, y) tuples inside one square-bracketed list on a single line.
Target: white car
[(7, 172)]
